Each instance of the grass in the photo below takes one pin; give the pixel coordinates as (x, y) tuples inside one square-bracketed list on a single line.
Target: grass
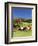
[(19, 33), (22, 33)]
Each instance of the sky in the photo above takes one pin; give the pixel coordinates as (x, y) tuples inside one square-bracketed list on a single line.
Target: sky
[(22, 13)]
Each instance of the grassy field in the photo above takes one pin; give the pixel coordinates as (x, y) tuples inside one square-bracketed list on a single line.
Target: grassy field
[(22, 33), (19, 33)]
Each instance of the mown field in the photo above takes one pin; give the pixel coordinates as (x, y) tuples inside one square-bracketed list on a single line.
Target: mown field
[(18, 33), (22, 33)]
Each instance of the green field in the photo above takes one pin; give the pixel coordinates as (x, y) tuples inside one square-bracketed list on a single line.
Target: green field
[(18, 33), (22, 33)]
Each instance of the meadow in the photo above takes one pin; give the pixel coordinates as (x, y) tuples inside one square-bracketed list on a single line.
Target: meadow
[(22, 33), (19, 33)]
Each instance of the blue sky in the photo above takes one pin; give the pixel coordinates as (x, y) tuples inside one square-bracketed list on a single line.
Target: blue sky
[(22, 13)]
